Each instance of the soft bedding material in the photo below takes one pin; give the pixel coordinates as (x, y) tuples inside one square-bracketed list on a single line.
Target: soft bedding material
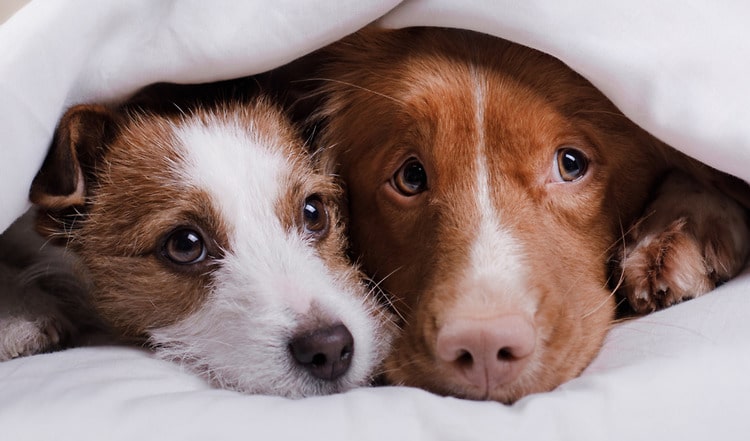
[(679, 69)]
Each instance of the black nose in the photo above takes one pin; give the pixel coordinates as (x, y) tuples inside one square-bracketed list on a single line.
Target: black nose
[(326, 352)]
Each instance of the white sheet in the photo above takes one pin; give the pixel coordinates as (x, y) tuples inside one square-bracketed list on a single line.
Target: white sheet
[(677, 68), (676, 375)]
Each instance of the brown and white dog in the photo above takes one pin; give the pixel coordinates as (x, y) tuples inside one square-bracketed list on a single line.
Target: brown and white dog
[(205, 230), (489, 185)]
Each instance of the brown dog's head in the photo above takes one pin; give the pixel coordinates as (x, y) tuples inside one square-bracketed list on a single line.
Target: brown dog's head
[(487, 184)]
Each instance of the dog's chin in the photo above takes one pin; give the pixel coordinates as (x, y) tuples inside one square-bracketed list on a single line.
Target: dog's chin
[(422, 374), (276, 375), (297, 384), (506, 394)]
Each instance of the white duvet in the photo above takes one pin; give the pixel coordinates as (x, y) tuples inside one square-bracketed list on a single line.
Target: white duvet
[(678, 68)]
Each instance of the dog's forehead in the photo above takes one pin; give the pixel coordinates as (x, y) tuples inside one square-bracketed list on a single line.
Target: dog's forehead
[(224, 167), (242, 163), (470, 111)]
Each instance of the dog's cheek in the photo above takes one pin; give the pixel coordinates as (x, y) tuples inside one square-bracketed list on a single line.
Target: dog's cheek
[(590, 331), (149, 296), (395, 248), (407, 363), (567, 277)]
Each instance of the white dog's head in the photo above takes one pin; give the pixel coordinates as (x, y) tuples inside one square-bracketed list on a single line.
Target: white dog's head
[(210, 235)]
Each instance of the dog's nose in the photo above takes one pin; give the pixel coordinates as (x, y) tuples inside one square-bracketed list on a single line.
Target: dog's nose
[(326, 352), (487, 353)]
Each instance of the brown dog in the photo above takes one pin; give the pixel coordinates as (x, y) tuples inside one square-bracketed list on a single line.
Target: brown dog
[(489, 185)]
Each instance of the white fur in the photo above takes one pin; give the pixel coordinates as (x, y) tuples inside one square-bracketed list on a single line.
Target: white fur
[(270, 280), (496, 256)]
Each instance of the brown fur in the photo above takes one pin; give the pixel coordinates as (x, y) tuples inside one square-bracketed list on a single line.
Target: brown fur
[(386, 96), (690, 239)]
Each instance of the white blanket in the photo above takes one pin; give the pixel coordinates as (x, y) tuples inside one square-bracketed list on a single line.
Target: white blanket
[(680, 69)]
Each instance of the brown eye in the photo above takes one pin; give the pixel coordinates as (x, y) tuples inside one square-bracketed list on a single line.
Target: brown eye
[(315, 216), (570, 164), (411, 178), (184, 247)]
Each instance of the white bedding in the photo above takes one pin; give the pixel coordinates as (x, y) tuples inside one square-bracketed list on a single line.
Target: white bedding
[(680, 69)]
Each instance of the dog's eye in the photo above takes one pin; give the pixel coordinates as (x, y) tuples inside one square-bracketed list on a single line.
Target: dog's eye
[(411, 178), (570, 164), (315, 216), (185, 247)]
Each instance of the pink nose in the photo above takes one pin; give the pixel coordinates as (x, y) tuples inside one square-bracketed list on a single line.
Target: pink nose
[(487, 353)]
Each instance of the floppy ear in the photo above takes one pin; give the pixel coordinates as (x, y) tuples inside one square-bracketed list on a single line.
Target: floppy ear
[(81, 138), (61, 185)]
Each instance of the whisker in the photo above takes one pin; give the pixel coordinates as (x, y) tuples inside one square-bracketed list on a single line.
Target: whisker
[(607, 251), (384, 295), (606, 299), (371, 294), (600, 112), (356, 86), (401, 366)]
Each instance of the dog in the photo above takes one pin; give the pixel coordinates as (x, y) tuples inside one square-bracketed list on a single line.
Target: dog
[(203, 229), (490, 188)]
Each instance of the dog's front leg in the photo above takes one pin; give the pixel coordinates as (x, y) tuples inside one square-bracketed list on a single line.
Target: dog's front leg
[(691, 238), (36, 285)]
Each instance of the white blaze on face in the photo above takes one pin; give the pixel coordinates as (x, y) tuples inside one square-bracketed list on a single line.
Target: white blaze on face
[(245, 176), (269, 279), (495, 281)]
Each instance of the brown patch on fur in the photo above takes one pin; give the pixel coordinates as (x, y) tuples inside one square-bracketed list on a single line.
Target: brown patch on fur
[(133, 199), (390, 95), (303, 183)]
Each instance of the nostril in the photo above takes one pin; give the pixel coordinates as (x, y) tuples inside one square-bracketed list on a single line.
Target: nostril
[(464, 359), (505, 354), (317, 359), (326, 353)]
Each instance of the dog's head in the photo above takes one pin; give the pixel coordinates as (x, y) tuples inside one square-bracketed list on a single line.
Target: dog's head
[(211, 235), (487, 184)]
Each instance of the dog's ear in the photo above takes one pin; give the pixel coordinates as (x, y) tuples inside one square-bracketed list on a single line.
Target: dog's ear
[(81, 138), (68, 172)]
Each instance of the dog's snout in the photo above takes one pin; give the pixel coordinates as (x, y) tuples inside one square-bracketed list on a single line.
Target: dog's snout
[(487, 353), (325, 352)]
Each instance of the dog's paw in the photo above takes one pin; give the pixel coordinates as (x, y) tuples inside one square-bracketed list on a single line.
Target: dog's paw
[(21, 336), (31, 317), (665, 268), (691, 239)]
